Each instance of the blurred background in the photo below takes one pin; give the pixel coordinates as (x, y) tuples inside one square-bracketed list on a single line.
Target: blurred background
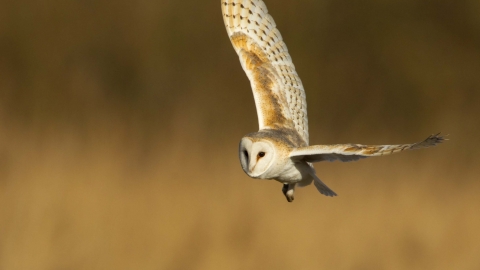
[(120, 121)]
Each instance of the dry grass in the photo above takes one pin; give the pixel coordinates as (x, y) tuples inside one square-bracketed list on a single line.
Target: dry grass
[(119, 126), (72, 205)]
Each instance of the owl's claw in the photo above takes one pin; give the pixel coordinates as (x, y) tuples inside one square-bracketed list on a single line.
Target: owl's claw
[(288, 191)]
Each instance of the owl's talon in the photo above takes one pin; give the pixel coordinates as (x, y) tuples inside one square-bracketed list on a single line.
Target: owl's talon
[(287, 190)]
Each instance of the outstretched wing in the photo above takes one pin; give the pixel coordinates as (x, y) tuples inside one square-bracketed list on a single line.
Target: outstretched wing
[(277, 89), (352, 152)]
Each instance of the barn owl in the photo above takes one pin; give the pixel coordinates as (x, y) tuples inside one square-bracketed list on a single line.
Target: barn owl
[(280, 149)]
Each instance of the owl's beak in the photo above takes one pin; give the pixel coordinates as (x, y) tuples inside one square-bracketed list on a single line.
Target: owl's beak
[(251, 166)]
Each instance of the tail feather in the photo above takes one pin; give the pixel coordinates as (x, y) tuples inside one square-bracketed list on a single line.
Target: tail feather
[(322, 188)]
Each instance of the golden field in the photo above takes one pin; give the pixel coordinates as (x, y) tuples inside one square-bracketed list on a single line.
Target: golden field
[(120, 121)]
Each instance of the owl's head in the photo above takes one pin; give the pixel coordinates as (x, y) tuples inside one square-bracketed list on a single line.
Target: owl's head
[(256, 156)]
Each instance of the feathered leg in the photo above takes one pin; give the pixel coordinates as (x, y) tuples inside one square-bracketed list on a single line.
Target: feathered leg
[(288, 190)]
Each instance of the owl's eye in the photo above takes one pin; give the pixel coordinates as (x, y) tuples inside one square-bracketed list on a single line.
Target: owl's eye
[(245, 153), (261, 154)]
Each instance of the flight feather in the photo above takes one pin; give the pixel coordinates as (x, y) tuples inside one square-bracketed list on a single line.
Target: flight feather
[(353, 152), (278, 91)]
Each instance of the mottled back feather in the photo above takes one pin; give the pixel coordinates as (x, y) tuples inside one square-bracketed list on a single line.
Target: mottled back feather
[(277, 89)]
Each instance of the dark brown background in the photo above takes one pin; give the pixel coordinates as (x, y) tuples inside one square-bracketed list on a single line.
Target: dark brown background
[(120, 120)]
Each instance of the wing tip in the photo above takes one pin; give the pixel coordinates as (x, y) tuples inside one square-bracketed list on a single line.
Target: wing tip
[(434, 139)]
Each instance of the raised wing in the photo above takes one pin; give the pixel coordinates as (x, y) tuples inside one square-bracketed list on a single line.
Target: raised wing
[(352, 152), (277, 89)]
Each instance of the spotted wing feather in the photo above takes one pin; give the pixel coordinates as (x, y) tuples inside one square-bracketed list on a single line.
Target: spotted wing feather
[(277, 89), (353, 152)]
